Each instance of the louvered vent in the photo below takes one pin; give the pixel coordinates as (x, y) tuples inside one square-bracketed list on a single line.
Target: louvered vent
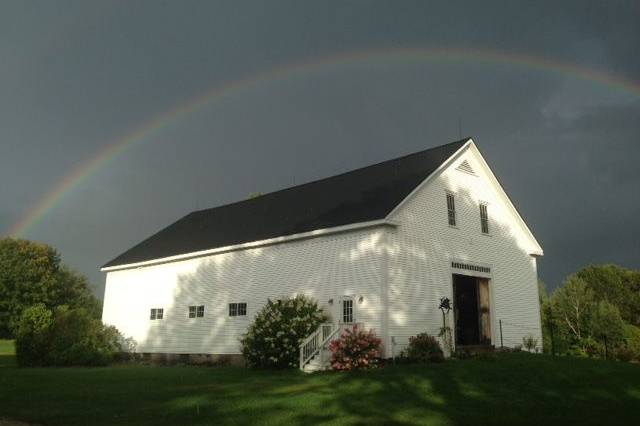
[(466, 167), (468, 267)]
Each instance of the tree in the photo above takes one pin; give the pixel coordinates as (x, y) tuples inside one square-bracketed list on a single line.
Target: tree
[(73, 290), (596, 310), (546, 319), (571, 305), (607, 325), (32, 273), (617, 285)]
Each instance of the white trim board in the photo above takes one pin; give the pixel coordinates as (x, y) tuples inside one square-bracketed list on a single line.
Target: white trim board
[(442, 166)]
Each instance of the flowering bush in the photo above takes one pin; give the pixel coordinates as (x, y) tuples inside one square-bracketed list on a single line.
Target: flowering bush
[(424, 348), (274, 337), (355, 349)]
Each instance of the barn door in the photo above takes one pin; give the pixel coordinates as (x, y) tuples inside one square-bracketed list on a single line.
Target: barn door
[(484, 311)]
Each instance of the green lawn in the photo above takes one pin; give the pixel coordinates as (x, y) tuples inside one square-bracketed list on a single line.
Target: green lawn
[(7, 350), (512, 390), (6, 347)]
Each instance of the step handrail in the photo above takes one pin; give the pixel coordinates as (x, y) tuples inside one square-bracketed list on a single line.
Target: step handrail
[(312, 344)]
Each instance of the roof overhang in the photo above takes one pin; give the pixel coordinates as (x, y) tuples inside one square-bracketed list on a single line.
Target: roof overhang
[(255, 244)]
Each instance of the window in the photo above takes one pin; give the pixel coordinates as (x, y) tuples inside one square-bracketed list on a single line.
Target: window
[(451, 209), (484, 219), (347, 311), (196, 311), (156, 313), (237, 309)]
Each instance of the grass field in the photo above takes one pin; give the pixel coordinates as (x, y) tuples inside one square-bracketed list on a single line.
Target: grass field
[(515, 389), (7, 350), (6, 347)]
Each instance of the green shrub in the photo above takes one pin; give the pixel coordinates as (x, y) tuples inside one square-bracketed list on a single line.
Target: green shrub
[(424, 348), (64, 337), (32, 340), (587, 348), (624, 354), (530, 343), (79, 339), (355, 349), (273, 338)]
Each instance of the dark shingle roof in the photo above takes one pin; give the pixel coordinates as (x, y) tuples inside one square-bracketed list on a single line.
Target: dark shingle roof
[(360, 195)]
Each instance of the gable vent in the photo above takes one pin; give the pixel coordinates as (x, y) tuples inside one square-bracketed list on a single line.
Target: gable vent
[(468, 267), (465, 167)]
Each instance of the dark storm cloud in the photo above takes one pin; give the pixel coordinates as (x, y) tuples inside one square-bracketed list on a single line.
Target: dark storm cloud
[(76, 75)]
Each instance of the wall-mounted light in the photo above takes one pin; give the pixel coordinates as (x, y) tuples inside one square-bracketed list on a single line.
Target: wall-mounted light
[(360, 299), (330, 301)]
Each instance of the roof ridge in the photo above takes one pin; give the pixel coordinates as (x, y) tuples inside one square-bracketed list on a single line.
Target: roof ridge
[(247, 200)]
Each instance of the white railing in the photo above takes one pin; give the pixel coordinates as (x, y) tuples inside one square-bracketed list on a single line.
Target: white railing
[(316, 342), (312, 344)]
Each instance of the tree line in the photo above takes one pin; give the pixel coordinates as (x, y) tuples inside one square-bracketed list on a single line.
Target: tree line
[(32, 273), (50, 310), (595, 313)]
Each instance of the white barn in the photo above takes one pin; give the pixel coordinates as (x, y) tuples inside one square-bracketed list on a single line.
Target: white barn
[(380, 245)]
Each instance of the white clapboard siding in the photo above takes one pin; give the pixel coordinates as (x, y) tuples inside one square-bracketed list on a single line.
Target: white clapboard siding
[(324, 268), (423, 246)]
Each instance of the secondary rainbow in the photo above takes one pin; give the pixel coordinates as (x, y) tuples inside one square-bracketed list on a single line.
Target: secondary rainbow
[(145, 131)]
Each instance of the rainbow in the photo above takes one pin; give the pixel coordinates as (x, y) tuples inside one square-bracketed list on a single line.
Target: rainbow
[(156, 124)]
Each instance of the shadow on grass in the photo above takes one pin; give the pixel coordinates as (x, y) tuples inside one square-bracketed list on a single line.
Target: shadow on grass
[(7, 360), (516, 389)]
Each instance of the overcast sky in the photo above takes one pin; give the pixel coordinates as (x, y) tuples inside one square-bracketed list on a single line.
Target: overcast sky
[(75, 77)]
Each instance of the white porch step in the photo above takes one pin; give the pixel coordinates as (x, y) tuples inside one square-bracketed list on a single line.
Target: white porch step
[(316, 365)]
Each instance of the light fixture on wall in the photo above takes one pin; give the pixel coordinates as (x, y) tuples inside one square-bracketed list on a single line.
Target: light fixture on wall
[(330, 301), (360, 299)]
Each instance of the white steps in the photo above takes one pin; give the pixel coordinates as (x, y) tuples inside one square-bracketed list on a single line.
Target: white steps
[(320, 362)]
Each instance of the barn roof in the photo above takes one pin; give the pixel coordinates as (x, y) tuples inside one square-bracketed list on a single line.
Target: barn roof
[(362, 195)]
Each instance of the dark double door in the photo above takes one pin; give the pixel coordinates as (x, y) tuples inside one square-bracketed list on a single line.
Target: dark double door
[(471, 306)]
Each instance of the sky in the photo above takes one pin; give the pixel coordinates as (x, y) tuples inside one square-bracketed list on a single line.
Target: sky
[(118, 117)]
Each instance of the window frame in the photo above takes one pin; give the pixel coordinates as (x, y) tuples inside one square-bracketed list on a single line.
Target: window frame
[(200, 311), (242, 309), (348, 310), (238, 309), (452, 217), (156, 314), (192, 311), (484, 218)]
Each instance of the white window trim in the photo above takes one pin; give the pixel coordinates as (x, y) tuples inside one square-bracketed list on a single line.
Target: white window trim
[(354, 319), (238, 314), (451, 193), (489, 227)]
